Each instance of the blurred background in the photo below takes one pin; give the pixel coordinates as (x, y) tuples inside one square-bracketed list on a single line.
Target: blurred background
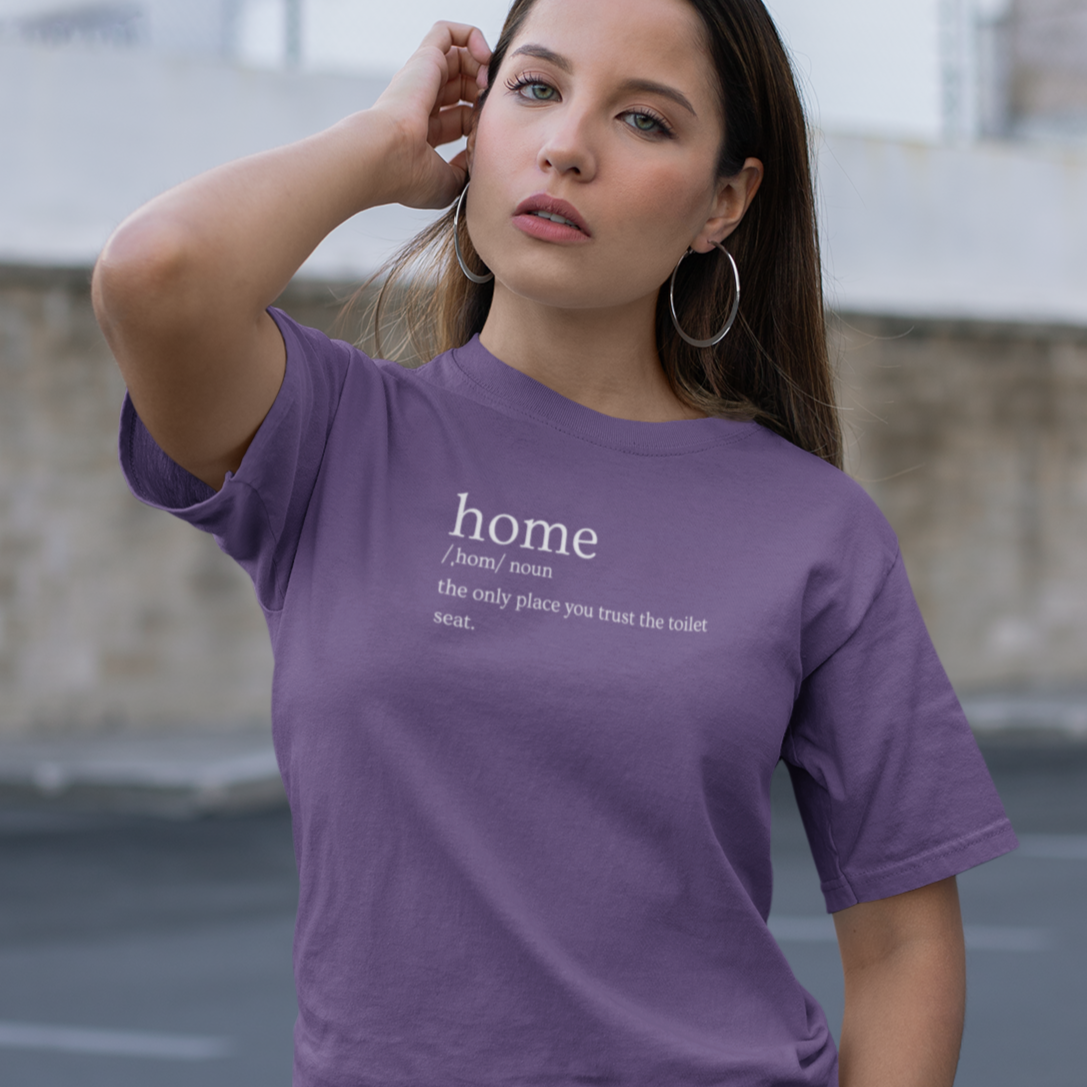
[(146, 875)]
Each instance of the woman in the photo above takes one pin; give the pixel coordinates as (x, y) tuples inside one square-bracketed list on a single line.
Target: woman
[(547, 611)]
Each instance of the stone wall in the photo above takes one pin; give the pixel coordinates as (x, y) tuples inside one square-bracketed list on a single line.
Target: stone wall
[(113, 616), (971, 438)]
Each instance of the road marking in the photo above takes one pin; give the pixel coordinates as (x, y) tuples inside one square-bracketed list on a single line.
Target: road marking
[(1058, 847), (820, 930), (112, 1043)]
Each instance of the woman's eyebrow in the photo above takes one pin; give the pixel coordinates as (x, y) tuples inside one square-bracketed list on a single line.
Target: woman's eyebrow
[(648, 86), (543, 53)]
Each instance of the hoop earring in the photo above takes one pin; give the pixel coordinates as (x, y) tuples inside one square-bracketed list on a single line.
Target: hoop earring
[(456, 242), (713, 341)]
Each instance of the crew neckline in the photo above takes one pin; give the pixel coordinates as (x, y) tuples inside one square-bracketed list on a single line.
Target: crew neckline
[(508, 389)]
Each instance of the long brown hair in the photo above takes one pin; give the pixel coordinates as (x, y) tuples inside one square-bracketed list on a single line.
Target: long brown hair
[(773, 365)]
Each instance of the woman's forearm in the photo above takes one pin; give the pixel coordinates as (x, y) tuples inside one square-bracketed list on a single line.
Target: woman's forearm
[(234, 236), (905, 989), (181, 288)]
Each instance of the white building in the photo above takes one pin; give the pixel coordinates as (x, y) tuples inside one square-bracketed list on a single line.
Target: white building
[(914, 223)]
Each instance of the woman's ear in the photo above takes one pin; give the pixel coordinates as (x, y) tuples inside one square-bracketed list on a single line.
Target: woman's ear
[(734, 196)]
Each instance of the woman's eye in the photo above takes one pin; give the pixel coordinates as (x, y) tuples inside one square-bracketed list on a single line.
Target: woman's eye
[(536, 92), (645, 122)]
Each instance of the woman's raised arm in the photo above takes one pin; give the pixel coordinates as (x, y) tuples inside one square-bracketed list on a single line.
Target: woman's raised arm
[(182, 286)]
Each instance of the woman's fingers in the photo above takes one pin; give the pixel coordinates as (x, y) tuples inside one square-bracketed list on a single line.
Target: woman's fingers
[(461, 88), (463, 62), (449, 125), (449, 59), (460, 65), (478, 47), (460, 39), (432, 100), (450, 95)]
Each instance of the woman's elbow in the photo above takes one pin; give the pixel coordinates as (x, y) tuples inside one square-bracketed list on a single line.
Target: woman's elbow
[(142, 280)]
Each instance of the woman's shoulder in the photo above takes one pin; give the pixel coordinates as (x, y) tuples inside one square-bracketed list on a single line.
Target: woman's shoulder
[(722, 465), (808, 490)]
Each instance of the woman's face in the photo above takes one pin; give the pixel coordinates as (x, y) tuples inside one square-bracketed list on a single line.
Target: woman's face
[(606, 113)]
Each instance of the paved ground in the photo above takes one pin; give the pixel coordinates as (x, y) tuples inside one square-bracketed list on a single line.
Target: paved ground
[(1025, 917), (146, 928), (145, 953)]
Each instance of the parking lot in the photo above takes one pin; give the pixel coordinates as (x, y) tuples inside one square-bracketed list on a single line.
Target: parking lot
[(150, 952)]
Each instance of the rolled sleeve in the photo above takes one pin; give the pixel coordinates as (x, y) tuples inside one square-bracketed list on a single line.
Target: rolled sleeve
[(891, 785)]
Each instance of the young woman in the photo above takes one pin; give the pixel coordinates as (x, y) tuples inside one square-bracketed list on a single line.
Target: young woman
[(548, 611)]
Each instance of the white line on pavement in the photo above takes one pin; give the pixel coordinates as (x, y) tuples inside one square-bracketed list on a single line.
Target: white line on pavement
[(820, 930), (116, 1043)]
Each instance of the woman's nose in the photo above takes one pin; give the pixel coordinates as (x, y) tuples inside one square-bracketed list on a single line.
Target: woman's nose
[(569, 147)]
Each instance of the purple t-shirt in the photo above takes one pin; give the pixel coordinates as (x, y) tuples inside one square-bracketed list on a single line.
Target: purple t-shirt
[(534, 667)]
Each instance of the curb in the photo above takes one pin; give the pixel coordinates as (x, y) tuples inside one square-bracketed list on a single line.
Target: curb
[(1060, 717), (188, 773), (175, 774)]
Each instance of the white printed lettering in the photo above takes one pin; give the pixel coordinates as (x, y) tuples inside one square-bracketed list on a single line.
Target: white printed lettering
[(585, 535), (462, 513), (545, 544), (461, 622), (493, 529), (528, 568), (504, 529)]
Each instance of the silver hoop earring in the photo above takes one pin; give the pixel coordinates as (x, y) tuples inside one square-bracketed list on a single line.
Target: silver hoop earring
[(456, 243), (713, 340)]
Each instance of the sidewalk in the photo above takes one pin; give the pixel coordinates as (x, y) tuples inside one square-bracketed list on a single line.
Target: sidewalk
[(189, 773)]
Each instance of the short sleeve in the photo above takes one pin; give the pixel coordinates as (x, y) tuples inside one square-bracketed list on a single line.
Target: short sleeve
[(891, 785), (257, 515)]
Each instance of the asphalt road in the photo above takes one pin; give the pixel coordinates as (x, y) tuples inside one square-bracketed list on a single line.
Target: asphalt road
[(143, 953), (1026, 925)]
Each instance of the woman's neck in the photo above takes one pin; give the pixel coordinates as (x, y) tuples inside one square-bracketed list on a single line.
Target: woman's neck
[(603, 360)]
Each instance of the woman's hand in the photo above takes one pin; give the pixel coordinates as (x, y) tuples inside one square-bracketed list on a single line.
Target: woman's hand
[(905, 989), (181, 288), (430, 102)]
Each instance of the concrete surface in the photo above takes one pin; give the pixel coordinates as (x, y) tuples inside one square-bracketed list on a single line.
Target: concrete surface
[(185, 773), (157, 953), (111, 616), (115, 618), (970, 438), (180, 773), (987, 230), (964, 418), (1023, 913), (91, 134)]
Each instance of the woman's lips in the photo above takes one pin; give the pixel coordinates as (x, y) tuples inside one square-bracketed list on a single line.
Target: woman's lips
[(550, 219)]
